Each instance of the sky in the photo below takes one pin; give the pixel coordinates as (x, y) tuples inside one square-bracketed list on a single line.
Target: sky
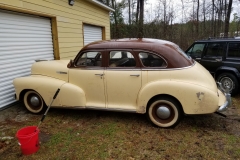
[(151, 11)]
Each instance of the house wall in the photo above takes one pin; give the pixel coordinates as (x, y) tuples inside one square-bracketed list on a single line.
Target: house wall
[(67, 21)]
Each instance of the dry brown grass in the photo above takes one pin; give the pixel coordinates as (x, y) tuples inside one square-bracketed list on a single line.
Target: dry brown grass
[(83, 134)]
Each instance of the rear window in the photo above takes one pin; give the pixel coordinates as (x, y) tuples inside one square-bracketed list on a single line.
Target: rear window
[(233, 50)]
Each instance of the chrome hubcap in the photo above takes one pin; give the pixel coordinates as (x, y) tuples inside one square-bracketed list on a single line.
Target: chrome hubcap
[(34, 101), (163, 112), (227, 83)]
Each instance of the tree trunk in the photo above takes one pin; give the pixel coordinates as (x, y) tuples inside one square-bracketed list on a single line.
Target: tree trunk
[(140, 31), (197, 25), (227, 19), (116, 35), (129, 12), (204, 17), (137, 11), (213, 11)]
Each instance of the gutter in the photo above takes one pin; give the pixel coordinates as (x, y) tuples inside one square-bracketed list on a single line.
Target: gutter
[(102, 5)]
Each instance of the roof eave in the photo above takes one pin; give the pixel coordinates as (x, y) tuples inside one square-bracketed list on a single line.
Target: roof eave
[(102, 5)]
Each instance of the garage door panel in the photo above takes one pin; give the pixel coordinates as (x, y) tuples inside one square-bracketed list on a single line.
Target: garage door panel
[(3, 44), (21, 17), (23, 39), (92, 33), (20, 53), (7, 95), (20, 35), (13, 27), (10, 76), (30, 59), (25, 68), (9, 91), (13, 48), (20, 23)]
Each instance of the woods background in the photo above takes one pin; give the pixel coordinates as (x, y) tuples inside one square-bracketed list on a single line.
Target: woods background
[(190, 20)]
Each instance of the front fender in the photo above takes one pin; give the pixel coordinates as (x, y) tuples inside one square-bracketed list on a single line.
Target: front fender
[(195, 99), (228, 69), (69, 95)]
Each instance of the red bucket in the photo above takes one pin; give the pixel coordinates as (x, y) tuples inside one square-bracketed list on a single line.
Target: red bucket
[(28, 139)]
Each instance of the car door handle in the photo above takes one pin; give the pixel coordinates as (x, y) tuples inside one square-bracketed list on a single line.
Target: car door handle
[(135, 75), (218, 60), (99, 74)]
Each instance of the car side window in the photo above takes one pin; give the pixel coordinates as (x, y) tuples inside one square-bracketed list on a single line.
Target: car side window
[(151, 60), (121, 59), (90, 59), (234, 50), (196, 50), (215, 50)]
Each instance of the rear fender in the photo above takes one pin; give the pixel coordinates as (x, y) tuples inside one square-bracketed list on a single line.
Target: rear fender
[(193, 98)]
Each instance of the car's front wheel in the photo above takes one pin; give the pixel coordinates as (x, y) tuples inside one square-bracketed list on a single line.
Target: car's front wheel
[(165, 112), (33, 102), (229, 81)]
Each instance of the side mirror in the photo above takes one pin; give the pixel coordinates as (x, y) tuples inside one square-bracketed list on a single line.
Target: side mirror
[(70, 64)]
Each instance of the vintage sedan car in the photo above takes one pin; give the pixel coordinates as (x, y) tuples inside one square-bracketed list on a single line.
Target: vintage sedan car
[(133, 75)]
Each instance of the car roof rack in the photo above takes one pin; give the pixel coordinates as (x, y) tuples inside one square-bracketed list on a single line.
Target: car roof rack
[(209, 38)]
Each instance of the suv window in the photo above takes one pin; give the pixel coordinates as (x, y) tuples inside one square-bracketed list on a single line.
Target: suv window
[(234, 50), (197, 50), (215, 49)]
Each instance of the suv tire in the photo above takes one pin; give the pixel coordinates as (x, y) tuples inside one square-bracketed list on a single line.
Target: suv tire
[(228, 79)]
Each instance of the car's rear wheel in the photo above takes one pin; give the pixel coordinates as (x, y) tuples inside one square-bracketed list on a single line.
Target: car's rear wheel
[(33, 102), (228, 80), (165, 112)]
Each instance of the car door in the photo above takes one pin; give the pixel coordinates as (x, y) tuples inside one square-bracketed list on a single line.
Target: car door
[(196, 51), (123, 80), (213, 56), (88, 74)]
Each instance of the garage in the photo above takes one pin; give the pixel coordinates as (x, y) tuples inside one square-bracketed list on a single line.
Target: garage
[(92, 33), (23, 39)]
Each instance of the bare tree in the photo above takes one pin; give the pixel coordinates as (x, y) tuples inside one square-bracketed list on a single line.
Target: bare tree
[(197, 24), (129, 12), (141, 10), (227, 19)]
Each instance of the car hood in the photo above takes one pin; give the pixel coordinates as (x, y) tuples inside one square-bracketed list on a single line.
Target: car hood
[(56, 69)]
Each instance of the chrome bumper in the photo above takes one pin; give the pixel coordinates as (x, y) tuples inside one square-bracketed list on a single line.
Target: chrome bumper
[(228, 102)]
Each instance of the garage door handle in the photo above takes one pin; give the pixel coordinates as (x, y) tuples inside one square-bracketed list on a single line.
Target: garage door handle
[(135, 75)]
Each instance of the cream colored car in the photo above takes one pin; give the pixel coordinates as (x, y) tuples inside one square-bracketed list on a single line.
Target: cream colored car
[(133, 75)]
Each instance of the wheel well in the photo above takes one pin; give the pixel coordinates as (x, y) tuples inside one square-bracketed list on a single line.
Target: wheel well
[(23, 92), (225, 71), (161, 96)]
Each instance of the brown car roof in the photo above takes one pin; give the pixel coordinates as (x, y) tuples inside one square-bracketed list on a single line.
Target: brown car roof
[(166, 49)]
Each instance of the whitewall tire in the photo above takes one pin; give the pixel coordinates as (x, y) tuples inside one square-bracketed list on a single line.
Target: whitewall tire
[(33, 102), (165, 112)]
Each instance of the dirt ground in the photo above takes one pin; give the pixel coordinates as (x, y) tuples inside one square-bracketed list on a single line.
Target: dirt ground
[(222, 133)]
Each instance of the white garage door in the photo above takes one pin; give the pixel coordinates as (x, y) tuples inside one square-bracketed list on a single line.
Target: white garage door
[(23, 39), (91, 33)]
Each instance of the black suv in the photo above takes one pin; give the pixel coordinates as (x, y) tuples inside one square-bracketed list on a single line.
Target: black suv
[(222, 58)]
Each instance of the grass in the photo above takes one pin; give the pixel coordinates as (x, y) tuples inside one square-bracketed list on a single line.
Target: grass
[(83, 134)]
